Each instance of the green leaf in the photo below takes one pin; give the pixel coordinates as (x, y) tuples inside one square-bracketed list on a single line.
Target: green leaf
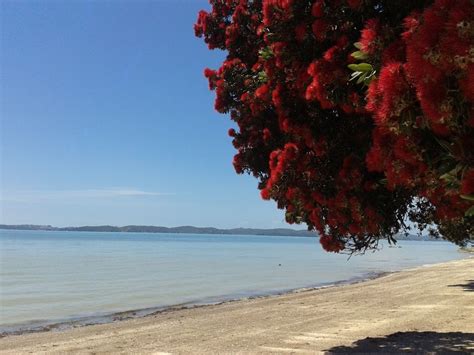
[(447, 177), (363, 67), (266, 53), (262, 76), (362, 78), (369, 78), (470, 212), (359, 55), (358, 45), (446, 145), (468, 197), (447, 168), (458, 168), (452, 175)]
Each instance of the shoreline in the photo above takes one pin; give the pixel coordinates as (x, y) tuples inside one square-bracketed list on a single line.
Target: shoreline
[(427, 301), (66, 324), (60, 325), (73, 322)]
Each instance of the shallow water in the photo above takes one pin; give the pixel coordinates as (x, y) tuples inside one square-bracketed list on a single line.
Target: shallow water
[(48, 277)]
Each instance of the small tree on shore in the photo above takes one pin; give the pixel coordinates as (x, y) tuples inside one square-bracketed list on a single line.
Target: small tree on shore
[(356, 116)]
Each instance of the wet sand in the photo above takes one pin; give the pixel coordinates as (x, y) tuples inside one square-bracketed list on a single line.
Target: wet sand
[(429, 309)]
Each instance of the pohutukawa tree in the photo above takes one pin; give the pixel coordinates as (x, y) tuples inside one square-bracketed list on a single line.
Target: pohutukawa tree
[(356, 116)]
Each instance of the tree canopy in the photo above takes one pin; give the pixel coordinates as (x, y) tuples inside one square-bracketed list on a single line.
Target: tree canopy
[(356, 116)]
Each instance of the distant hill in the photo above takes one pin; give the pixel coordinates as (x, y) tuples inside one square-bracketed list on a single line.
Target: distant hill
[(287, 232), (157, 229)]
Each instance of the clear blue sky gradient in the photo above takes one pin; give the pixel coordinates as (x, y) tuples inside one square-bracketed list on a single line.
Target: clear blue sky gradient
[(106, 118)]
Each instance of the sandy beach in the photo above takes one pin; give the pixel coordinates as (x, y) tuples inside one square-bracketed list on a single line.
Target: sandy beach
[(428, 309)]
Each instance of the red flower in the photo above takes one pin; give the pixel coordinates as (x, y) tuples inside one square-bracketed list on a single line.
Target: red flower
[(266, 134), (467, 183), (277, 96), (320, 28), (237, 162), (201, 25), (318, 8), (265, 193), (369, 36), (300, 33), (331, 244), (262, 92), (354, 4)]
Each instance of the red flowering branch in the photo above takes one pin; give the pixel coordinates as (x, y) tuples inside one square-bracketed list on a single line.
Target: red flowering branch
[(353, 141)]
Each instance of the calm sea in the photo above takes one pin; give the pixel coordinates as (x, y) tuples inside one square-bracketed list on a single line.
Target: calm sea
[(71, 278)]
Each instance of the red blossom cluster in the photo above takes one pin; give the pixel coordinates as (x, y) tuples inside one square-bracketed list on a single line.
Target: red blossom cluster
[(353, 159)]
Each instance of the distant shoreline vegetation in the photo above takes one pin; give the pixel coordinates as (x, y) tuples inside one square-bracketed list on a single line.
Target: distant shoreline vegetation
[(159, 229), (283, 232)]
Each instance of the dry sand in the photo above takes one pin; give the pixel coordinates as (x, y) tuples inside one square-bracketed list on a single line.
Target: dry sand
[(427, 309)]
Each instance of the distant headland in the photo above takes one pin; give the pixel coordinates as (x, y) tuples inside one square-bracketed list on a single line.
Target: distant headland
[(159, 229), (286, 232)]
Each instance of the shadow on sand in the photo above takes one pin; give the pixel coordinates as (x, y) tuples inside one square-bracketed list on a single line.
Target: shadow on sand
[(468, 286), (413, 343)]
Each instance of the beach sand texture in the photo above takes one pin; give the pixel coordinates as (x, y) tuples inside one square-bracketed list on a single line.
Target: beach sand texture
[(427, 309)]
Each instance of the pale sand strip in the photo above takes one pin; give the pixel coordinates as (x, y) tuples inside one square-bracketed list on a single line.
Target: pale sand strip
[(432, 306)]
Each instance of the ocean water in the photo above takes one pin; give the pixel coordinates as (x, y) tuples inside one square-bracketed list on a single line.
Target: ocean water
[(59, 279)]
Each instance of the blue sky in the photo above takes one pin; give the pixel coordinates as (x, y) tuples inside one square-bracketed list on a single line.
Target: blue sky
[(106, 118)]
